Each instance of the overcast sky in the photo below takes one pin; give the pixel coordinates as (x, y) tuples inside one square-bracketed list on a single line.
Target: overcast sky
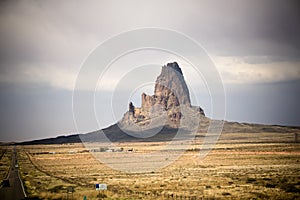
[(254, 44)]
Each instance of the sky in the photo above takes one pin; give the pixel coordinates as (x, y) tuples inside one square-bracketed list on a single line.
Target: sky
[(254, 44)]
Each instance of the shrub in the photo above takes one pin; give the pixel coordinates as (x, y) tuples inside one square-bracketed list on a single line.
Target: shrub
[(226, 193), (57, 189), (288, 187), (101, 195), (270, 185), (250, 180)]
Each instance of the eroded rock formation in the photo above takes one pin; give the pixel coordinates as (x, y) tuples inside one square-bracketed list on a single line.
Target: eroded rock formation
[(171, 94)]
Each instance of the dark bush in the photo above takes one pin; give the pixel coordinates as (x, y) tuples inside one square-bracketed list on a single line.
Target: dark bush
[(270, 185), (226, 193), (57, 189), (288, 187), (250, 180), (101, 195)]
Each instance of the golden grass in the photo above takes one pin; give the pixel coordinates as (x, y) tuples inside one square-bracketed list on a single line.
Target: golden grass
[(5, 162), (255, 169)]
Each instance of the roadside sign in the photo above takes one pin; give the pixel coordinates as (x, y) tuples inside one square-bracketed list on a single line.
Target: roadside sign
[(70, 189), (101, 186)]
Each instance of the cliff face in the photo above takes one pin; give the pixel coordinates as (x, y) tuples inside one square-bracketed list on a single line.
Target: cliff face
[(170, 89), (170, 95)]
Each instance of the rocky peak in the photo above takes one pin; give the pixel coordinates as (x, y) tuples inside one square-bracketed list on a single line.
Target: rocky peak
[(131, 108), (170, 93), (174, 66), (170, 89), (170, 86)]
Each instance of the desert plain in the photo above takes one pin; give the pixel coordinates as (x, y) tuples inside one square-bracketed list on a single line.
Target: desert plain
[(263, 165)]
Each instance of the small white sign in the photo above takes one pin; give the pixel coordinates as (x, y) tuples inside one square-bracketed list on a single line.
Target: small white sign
[(101, 186)]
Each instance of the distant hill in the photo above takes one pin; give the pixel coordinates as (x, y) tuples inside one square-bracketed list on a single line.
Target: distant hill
[(115, 134)]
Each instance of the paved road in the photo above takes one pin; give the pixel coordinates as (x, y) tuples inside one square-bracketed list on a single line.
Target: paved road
[(15, 190)]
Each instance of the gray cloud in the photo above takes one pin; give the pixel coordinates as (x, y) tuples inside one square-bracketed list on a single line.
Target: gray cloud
[(268, 59), (66, 31), (239, 28), (39, 34)]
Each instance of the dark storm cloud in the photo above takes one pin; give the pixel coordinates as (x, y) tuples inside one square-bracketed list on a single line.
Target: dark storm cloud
[(269, 103), (61, 31), (245, 28), (31, 111)]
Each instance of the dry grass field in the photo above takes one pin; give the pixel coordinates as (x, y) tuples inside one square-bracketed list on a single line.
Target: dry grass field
[(241, 166), (5, 162)]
